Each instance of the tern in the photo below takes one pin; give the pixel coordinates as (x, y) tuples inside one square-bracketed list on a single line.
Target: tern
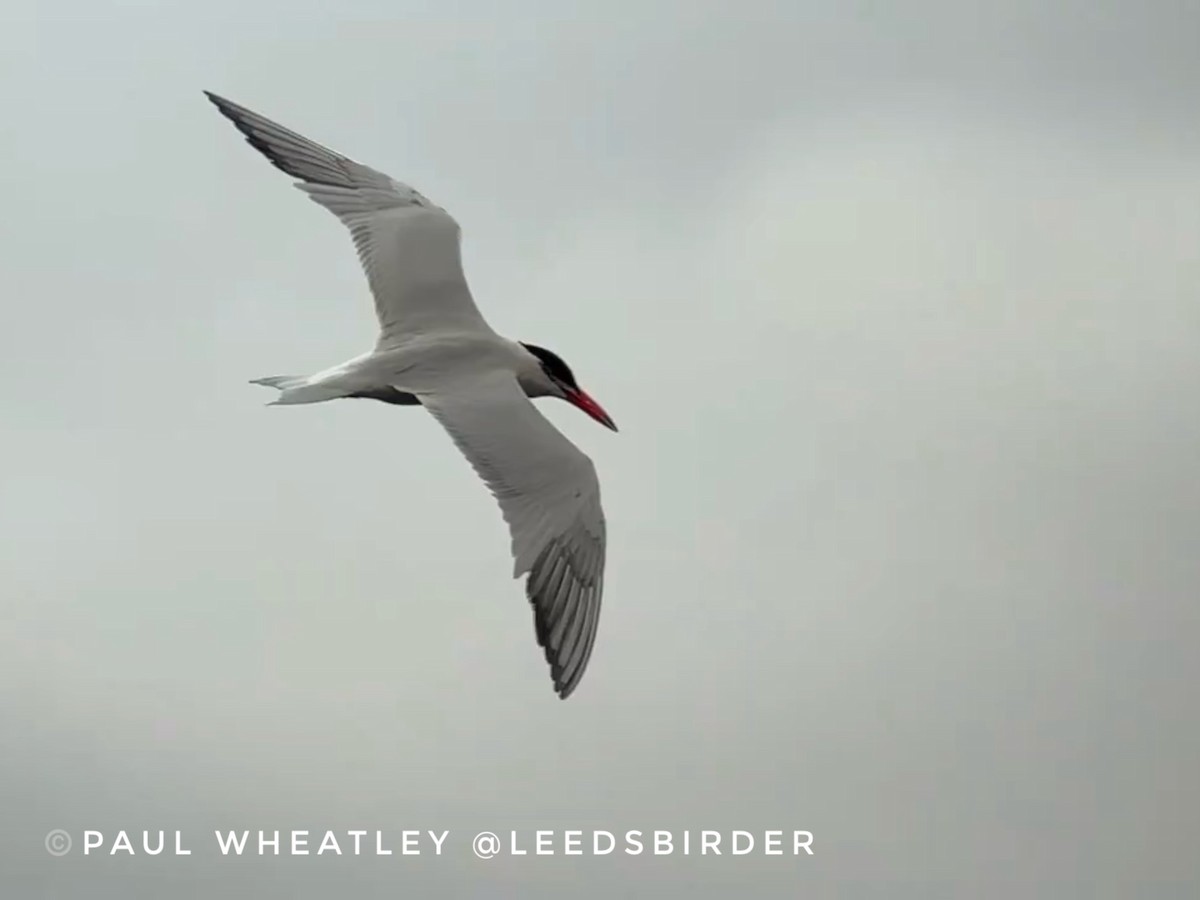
[(434, 349)]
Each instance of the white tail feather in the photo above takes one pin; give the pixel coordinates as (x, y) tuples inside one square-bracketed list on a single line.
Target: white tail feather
[(293, 389), (281, 382)]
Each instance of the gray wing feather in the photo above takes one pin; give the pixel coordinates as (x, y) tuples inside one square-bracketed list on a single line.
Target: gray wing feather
[(550, 497), (409, 248)]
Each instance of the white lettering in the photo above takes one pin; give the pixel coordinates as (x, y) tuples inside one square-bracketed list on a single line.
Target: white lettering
[(232, 841), (631, 837), (379, 851), (437, 842)]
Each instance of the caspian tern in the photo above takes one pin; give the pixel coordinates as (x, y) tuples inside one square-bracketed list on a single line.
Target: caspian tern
[(435, 350)]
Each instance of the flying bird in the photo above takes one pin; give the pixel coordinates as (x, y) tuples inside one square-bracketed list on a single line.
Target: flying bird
[(434, 349)]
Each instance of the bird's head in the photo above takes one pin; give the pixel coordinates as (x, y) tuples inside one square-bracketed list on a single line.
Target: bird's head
[(549, 376)]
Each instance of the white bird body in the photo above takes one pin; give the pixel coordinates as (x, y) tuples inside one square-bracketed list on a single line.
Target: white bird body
[(434, 349), (423, 363)]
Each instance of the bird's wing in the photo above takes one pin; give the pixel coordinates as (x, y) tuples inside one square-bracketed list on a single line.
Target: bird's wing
[(409, 248), (550, 498)]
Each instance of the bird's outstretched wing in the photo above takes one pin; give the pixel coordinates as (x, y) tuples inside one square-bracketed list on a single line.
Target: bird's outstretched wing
[(550, 497), (409, 248)]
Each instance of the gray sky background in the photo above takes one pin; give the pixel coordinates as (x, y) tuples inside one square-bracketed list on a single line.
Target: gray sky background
[(895, 306)]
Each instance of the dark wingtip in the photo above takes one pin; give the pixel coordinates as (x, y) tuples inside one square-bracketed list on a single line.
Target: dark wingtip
[(225, 107), (238, 115), (542, 633)]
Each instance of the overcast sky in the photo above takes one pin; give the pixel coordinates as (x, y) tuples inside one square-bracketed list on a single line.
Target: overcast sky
[(896, 308)]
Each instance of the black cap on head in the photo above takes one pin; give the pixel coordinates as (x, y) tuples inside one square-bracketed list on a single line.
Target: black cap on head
[(553, 364)]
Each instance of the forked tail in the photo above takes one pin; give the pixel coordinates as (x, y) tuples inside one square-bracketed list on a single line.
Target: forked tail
[(281, 382), (294, 389)]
